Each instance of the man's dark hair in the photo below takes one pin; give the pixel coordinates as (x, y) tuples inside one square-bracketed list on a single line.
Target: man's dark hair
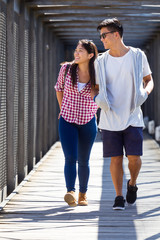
[(113, 24)]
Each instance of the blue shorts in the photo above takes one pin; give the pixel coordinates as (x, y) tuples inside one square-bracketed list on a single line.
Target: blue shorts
[(130, 139)]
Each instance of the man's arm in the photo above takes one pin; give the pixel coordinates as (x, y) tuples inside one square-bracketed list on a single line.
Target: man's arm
[(148, 83)]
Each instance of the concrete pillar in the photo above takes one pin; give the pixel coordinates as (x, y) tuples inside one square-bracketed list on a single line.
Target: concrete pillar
[(11, 172), (50, 91), (3, 93), (45, 89), (32, 120), (58, 57), (39, 134), (158, 81), (23, 94), (152, 106)]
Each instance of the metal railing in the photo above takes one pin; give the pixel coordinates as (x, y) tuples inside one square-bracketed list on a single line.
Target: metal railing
[(29, 60)]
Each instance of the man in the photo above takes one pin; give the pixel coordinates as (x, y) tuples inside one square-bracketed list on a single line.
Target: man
[(127, 75)]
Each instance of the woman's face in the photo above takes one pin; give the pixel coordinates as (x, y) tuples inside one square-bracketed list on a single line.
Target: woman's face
[(81, 55)]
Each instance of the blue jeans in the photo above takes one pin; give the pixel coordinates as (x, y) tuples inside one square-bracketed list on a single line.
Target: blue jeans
[(77, 142)]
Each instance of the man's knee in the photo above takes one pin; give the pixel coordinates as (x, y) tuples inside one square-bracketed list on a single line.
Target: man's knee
[(133, 158), (117, 160)]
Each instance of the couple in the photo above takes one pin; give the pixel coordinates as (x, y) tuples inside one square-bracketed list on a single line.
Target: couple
[(128, 84)]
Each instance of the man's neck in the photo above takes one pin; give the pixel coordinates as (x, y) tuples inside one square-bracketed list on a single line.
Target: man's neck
[(118, 51)]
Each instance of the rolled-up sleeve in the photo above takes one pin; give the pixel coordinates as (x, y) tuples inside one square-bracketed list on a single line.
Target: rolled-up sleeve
[(59, 87), (146, 67), (96, 71)]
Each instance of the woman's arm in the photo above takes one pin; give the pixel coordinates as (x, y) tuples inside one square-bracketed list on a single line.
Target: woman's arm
[(59, 98), (94, 90)]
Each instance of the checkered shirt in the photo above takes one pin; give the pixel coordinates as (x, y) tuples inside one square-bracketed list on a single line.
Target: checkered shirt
[(77, 107)]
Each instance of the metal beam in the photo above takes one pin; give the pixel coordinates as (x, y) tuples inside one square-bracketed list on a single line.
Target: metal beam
[(71, 20), (93, 2), (98, 11)]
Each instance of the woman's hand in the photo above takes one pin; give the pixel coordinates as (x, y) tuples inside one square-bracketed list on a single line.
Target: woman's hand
[(94, 91), (59, 115), (59, 98)]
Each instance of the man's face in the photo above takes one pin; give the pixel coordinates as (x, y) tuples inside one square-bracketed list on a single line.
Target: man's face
[(107, 37)]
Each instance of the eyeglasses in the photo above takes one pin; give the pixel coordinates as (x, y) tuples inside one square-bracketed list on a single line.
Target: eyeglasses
[(103, 35)]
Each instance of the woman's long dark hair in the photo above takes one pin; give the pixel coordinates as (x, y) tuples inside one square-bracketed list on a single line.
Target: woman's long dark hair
[(90, 48)]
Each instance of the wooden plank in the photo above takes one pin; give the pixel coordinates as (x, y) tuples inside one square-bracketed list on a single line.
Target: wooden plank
[(38, 210)]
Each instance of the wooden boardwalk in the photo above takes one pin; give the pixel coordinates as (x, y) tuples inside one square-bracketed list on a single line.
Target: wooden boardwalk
[(37, 211)]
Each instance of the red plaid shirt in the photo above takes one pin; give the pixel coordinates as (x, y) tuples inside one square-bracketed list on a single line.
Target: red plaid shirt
[(77, 107)]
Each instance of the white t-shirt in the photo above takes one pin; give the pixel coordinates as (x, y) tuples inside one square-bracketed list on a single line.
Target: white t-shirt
[(120, 91), (81, 86)]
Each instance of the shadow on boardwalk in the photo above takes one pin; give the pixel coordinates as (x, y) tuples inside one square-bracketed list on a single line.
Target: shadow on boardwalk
[(143, 219), (114, 224)]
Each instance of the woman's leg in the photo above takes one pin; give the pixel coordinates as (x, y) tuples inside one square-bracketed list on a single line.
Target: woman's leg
[(86, 137), (69, 139)]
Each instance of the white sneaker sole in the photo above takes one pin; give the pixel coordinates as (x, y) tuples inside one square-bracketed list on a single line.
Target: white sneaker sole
[(119, 208), (131, 204)]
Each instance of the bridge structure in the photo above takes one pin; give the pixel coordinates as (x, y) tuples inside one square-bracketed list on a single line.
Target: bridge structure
[(35, 37)]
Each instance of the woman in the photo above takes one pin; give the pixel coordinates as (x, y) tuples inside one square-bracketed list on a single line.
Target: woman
[(77, 122)]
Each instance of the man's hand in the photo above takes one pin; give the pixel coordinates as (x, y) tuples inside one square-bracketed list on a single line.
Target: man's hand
[(148, 83)]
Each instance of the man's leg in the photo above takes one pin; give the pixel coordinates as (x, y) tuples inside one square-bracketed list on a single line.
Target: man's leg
[(113, 147), (133, 143), (134, 166), (116, 169), (133, 139)]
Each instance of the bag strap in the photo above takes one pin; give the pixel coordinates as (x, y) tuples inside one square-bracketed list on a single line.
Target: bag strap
[(66, 70)]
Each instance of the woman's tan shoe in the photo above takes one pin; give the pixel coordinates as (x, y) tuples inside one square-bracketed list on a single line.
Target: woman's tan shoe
[(70, 199), (82, 200)]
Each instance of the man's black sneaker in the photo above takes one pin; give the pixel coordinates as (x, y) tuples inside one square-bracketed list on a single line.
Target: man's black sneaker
[(131, 195), (119, 203)]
